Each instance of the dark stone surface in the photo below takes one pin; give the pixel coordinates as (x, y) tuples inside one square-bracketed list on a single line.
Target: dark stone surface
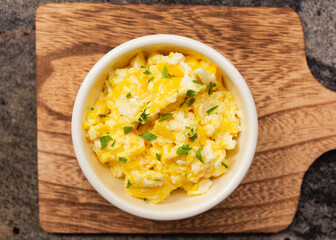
[(316, 214)]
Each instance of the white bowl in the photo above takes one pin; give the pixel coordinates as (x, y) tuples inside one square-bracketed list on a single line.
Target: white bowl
[(178, 205)]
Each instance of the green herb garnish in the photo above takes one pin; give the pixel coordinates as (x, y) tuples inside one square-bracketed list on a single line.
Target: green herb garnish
[(144, 115), (211, 86), (158, 156), (123, 160), (127, 130), (191, 101), (193, 138), (212, 109), (185, 99), (114, 142), (129, 95), (165, 116), (147, 72), (187, 127), (165, 72), (92, 109), (139, 125), (199, 155), (183, 150), (171, 76), (156, 180), (197, 82), (149, 80), (104, 140), (102, 115), (224, 165), (148, 136), (129, 184), (191, 93), (145, 200)]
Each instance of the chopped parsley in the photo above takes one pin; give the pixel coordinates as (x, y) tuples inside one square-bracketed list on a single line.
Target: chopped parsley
[(199, 155), (187, 127), (129, 184), (147, 72), (185, 99), (102, 115), (145, 200), (183, 150), (165, 72), (171, 76), (165, 116), (148, 136), (139, 125), (224, 165), (129, 95), (92, 109), (191, 93), (158, 156), (156, 180), (127, 130), (197, 82), (142, 66), (193, 138), (144, 115), (151, 79), (191, 101), (104, 140), (211, 109), (123, 160), (211, 86), (114, 142)]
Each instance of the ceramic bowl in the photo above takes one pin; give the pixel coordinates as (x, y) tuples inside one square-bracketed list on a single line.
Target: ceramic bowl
[(178, 205)]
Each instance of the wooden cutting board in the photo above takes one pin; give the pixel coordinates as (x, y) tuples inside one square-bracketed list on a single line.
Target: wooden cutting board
[(297, 116)]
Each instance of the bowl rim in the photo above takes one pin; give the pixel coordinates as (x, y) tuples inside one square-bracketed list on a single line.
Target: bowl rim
[(183, 42)]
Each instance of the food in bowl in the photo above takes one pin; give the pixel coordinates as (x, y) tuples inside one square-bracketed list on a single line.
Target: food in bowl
[(164, 122)]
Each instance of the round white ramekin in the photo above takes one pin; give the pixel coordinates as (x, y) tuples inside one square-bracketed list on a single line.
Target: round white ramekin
[(178, 205)]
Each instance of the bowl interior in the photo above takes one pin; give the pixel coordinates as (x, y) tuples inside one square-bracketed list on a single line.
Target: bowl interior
[(178, 201)]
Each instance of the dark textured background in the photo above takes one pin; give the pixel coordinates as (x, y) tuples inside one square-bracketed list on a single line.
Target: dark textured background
[(316, 214)]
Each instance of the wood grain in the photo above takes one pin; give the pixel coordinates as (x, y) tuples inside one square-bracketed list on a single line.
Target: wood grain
[(297, 116)]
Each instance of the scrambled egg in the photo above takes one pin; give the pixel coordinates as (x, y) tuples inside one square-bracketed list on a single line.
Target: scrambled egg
[(162, 123)]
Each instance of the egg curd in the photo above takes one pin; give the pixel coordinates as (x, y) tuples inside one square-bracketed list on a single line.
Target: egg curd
[(163, 123)]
